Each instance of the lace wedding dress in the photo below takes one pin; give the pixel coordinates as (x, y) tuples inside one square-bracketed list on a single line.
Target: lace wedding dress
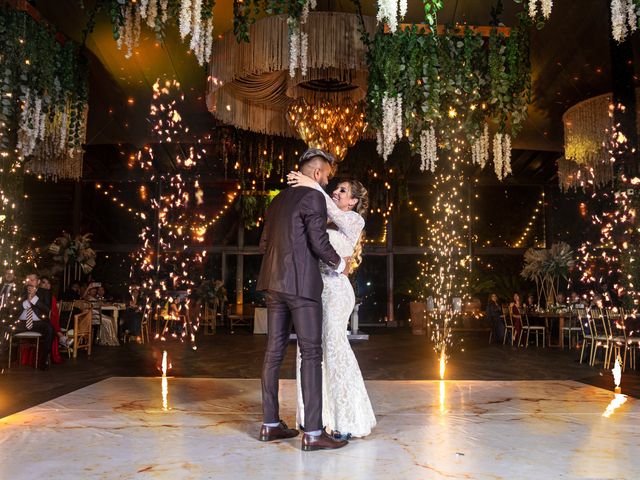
[(345, 402)]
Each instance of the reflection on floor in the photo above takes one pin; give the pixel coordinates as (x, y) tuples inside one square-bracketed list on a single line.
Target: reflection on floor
[(206, 428)]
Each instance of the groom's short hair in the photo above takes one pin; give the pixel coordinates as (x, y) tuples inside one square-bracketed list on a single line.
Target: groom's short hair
[(312, 153)]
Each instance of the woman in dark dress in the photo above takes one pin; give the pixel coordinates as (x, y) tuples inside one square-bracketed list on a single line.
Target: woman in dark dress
[(494, 314)]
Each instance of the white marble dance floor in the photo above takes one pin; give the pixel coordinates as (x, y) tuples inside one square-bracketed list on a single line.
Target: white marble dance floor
[(118, 428)]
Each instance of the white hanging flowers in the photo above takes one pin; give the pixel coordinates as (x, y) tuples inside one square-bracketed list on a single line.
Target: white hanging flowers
[(194, 45), (299, 41), (480, 148), (185, 18), (194, 19), (388, 11), (545, 8), (428, 150), (294, 48), (392, 130), (502, 154), (624, 20)]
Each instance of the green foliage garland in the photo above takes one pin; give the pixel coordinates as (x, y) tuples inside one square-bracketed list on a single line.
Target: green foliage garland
[(483, 81)]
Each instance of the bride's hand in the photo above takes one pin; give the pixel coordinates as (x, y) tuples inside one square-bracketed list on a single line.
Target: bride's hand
[(297, 179)]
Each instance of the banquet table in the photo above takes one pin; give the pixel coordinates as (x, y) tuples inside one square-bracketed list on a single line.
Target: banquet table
[(115, 309), (549, 319)]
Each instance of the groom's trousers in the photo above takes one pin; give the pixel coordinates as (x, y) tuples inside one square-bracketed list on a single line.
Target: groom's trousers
[(306, 315)]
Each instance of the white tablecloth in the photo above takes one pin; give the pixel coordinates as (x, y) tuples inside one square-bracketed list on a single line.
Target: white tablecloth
[(260, 321)]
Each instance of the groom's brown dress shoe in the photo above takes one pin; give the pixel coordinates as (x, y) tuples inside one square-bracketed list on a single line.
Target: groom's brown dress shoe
[(321, 442), (277, 433)]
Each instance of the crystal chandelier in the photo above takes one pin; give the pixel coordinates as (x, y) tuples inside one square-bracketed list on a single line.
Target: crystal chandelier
[(330, 127)]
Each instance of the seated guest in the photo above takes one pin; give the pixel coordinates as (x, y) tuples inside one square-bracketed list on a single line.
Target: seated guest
[(596, 301), (107, 328), (133, 314), (530, 304), (561, 299), (102, 294), (54, 318), (72, 292), (7, 288), (494, 314), (516, 311), (34, 316), (575, 300)]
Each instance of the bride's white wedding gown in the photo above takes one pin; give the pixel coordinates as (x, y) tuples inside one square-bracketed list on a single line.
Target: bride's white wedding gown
[(345, 403)]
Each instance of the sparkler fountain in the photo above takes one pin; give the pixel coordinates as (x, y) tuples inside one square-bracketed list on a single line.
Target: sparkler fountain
[(167, 260), (619, 399)]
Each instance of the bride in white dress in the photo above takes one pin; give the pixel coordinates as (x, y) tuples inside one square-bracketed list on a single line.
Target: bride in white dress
[(346, 408)]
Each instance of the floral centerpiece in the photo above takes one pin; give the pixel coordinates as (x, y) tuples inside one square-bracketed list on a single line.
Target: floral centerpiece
[(545, 267), (73, 256)]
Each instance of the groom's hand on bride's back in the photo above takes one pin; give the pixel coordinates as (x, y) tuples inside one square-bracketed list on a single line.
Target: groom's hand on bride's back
[(347, 266)]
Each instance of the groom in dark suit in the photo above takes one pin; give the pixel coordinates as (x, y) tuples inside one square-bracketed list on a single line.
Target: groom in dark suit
[(294, 239)]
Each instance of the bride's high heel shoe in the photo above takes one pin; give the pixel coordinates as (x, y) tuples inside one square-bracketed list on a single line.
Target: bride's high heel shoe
[(340, 436)]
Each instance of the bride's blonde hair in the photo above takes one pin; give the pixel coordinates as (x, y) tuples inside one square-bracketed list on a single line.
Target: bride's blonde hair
[(359, 192)]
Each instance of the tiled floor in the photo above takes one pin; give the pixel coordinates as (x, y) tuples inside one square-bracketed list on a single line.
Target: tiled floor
[(119, 428), (390, 354)]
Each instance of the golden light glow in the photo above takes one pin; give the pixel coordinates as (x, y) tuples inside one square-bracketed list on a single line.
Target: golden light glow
[(616, 403), (333, 128), (443, 363), (165, 382)]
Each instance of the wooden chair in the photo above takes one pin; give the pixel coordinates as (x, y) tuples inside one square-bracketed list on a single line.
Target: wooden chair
[(81, 333), (617, 336), (633, 345), (527, 327), (241, 316), (601, 335), (76, 305), (573, 327), (65, 307), (584, 319), (508, 324)]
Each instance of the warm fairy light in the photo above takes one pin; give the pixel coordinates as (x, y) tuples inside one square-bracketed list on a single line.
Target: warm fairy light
[(529, 227), (613, 261), (331, 127)]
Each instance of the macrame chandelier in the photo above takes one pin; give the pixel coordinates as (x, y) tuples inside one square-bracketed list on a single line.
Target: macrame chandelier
[(250, 85), (587, 127)]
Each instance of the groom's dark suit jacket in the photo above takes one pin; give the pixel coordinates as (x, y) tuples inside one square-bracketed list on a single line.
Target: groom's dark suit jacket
[(294, 238)]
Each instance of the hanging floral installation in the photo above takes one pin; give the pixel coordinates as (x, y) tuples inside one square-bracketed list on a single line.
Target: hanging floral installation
[(43, 113), (542, 7), (625, 17), (419, 81), (194, 19), (44, 92)]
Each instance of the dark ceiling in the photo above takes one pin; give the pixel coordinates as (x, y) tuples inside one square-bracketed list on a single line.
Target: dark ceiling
[(570, 59)]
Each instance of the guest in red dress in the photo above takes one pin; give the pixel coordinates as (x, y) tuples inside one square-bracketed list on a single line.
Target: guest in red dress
[(54, 318)]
